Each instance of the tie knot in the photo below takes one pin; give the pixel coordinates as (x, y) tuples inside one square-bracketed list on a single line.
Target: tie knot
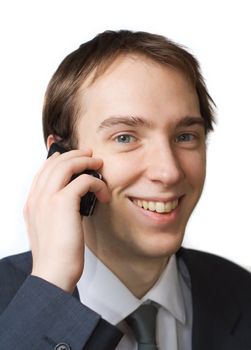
[(143, 324)]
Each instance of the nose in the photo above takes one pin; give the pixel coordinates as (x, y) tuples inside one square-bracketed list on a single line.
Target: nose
[(164, 165)]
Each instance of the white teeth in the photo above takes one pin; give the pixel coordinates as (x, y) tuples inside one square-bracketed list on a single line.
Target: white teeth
[(175, 204), (145, 205), (151, 206), (159, 207), (168, 206)]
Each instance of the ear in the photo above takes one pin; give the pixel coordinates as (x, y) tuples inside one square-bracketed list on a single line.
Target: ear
[(52, 139)]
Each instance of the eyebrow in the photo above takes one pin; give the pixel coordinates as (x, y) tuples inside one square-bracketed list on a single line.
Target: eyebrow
[(191, 120), (136, 121), (129, 120)]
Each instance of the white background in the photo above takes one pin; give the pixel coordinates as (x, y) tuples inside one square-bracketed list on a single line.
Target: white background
[(37, 35)]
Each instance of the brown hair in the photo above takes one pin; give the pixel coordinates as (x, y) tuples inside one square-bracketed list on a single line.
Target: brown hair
[(60, 111)]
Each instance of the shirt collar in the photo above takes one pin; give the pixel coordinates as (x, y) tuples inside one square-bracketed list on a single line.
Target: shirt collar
[(167, 291), (103, 292)]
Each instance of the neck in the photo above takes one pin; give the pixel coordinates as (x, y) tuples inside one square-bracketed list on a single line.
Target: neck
[(137, 270), (138, 274)]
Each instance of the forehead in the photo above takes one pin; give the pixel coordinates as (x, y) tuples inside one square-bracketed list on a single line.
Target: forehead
[(131, 63), (136, 85)]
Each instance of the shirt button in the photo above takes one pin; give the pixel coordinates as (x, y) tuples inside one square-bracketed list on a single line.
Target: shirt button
[(62, 346)]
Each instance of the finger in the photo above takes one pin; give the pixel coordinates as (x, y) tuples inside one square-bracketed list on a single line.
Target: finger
[(75, 153), (54, 175), (56, 158), (37, 175), (52, 162), (61, 174), (87, 183)]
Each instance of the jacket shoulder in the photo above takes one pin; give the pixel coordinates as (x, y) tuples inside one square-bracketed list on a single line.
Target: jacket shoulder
[(209, 270), (205, 261)]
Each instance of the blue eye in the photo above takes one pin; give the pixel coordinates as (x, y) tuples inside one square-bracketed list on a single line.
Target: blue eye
[(185, 138), (124, 138)]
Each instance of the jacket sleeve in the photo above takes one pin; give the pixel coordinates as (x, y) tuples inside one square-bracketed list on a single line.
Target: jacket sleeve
[(42, 316)]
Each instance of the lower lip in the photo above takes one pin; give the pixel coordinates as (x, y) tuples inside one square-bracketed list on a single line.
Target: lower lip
[(159, 218)]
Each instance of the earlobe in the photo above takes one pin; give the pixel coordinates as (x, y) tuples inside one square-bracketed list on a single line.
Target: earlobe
[(52, 139)]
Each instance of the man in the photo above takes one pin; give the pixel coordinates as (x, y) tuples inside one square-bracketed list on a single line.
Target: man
[(135, 108)]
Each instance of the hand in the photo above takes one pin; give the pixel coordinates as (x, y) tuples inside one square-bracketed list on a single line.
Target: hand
[(52, 216)]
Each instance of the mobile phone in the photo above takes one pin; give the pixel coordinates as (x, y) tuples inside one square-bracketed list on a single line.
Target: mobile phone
[(88, 201)]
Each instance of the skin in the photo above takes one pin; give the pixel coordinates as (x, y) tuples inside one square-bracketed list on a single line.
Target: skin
[(159, 156)]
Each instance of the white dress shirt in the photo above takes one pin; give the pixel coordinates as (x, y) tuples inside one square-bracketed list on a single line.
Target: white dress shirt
[(103, 292)]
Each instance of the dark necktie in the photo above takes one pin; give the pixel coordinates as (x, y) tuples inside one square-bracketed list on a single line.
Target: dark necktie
[(143, 324)]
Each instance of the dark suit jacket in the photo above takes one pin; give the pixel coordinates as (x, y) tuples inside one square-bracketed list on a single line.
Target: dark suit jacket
[(35, 314)]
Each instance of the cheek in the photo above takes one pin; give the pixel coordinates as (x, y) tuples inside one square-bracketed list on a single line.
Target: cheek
[(118, 172), (195, 169), (199, 173)]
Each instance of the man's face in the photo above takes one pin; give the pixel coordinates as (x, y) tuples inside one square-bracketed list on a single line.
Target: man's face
[(143, 120)]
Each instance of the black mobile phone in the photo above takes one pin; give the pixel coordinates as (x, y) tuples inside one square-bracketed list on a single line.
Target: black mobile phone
[(88, 201)]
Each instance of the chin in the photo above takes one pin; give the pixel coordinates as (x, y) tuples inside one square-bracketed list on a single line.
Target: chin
[(164, 245)]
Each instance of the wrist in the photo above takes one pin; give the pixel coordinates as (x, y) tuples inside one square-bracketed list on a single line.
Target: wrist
[(60, 280)]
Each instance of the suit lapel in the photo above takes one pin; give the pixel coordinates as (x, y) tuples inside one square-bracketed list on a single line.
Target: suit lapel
[(215, 313)]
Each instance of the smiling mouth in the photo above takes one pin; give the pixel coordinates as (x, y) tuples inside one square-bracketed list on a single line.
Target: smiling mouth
[(158, 207)]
